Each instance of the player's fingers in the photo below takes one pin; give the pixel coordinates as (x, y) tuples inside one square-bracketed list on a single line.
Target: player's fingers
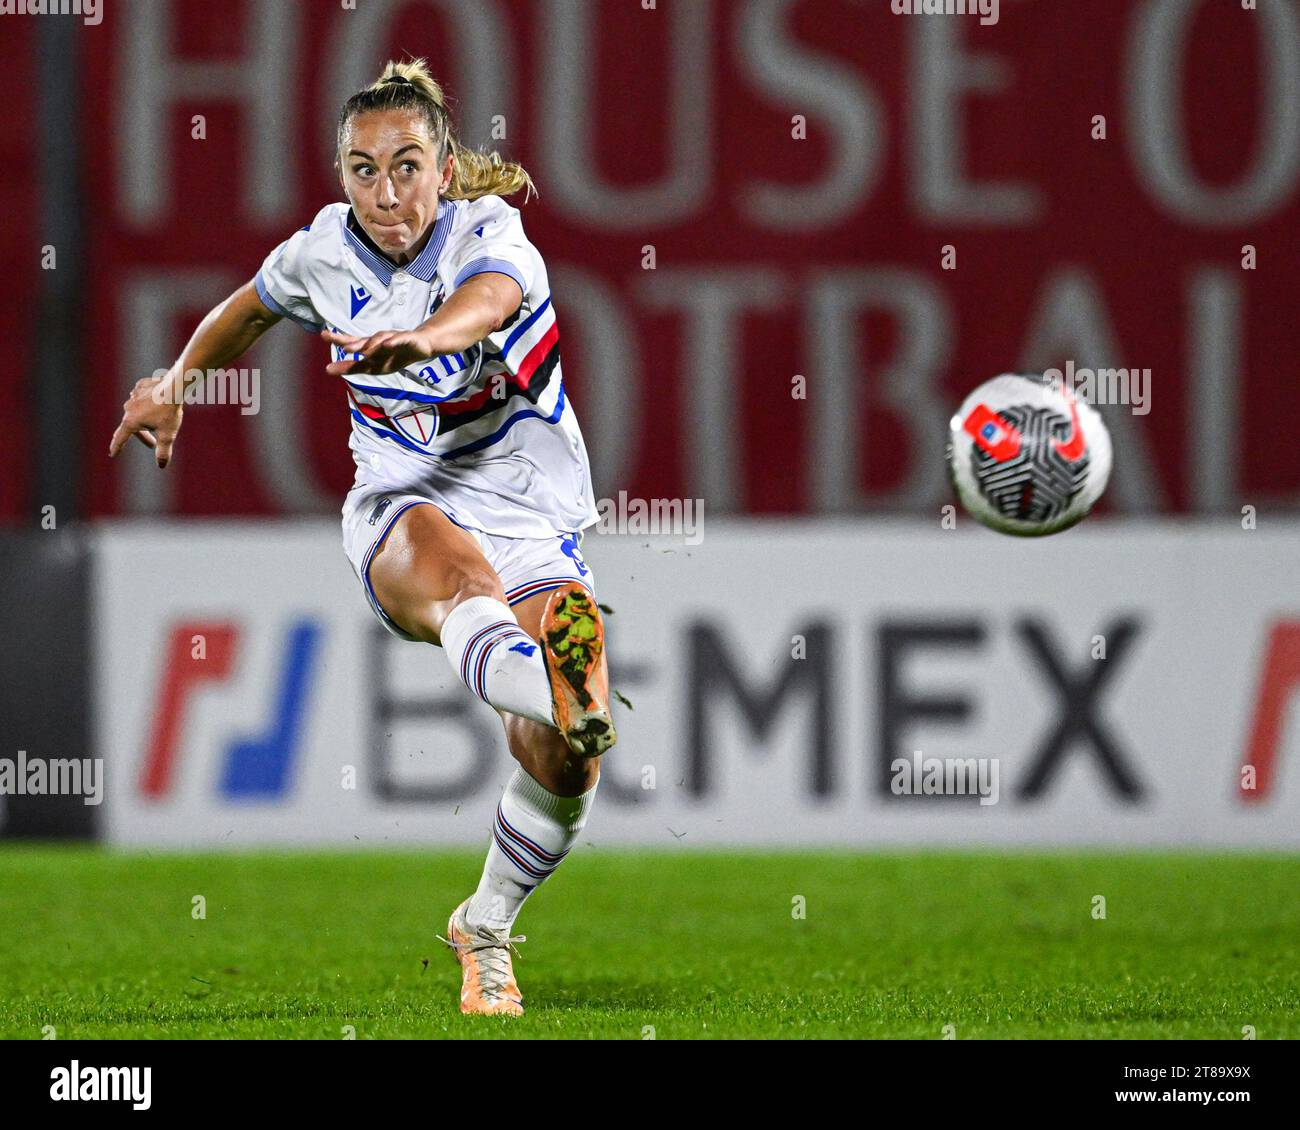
[(351, 344), (340, 368), (348, 341), (146, 438), (120, 436), (382, 360), (390, 354), (164, 451)]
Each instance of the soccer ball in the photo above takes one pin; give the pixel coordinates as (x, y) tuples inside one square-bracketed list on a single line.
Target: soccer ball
[(1026, 457)]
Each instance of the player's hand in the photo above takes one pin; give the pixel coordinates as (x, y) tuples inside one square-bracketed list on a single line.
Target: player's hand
[(381, 353), (151, 419)]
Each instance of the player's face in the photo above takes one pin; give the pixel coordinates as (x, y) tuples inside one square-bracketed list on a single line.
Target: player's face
[(388, 166)]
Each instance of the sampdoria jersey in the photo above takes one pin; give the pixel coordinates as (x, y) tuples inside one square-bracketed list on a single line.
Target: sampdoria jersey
[(487, 432)]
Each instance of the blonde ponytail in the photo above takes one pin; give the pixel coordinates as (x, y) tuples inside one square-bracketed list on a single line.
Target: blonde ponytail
[(410, 86), (478, 174), (416, 73)]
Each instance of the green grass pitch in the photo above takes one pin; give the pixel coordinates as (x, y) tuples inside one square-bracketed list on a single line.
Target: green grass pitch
[(103, 944)]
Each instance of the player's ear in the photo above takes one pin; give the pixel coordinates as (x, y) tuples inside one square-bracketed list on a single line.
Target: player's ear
[(338, 172)]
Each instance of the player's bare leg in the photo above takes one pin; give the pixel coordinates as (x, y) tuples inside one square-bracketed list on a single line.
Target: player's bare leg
[(540, 816), (431, 578), (433, 581), (426, 566)]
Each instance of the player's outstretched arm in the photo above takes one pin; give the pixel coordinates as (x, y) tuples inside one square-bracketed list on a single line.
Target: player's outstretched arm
[(475, 309), (152, 413)]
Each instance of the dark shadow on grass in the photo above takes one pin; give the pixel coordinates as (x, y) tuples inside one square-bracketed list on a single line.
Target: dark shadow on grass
[(606, 993)]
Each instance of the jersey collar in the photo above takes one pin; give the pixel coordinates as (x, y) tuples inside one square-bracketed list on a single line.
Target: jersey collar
[(424, 266)]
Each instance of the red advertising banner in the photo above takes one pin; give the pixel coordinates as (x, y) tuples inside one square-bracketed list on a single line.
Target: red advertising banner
[(21, 253), (785, 237)]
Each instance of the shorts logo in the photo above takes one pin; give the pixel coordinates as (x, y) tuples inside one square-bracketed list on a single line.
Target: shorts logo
[(569, 544), (378, 512)]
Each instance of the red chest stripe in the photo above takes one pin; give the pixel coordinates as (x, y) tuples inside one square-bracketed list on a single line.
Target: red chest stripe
[(367, 410), (535, 357)]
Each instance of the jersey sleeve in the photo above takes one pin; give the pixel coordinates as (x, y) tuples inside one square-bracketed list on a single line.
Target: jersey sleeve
[(494, 242), (282, 284)]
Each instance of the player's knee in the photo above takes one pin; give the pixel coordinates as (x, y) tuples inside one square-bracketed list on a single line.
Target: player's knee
[(460, 583), (471, 580)]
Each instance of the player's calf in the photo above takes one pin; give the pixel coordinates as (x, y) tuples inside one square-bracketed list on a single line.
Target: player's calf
[(544, 754)]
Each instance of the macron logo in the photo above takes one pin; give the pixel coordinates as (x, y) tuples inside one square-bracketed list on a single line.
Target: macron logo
[(359, 299)]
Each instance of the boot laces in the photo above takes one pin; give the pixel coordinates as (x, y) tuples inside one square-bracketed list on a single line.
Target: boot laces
[(494, 948)]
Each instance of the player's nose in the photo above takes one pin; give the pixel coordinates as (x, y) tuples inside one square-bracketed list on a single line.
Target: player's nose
[(387, 194)]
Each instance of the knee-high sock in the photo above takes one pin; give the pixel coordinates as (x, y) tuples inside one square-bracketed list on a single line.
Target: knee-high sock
[(496, 659), (532, 834)]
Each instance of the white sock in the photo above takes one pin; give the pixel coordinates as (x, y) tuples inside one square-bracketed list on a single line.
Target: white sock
[(533, 832), (496, 659)]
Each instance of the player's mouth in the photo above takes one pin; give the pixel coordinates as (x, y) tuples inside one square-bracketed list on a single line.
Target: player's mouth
[(389, 231)]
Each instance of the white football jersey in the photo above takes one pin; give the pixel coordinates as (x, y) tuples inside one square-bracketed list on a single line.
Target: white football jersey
[(486, 432)]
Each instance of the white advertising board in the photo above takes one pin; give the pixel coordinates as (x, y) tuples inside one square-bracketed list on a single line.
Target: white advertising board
[(1113, 685)]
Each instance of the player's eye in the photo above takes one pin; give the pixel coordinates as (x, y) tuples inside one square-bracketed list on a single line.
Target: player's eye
[(363, 170), (410, 166)]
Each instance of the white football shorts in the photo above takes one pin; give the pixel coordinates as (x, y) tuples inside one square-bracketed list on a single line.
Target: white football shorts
[(526, 566)]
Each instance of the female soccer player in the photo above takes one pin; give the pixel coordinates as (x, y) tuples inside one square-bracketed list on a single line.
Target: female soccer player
[(472, 483)]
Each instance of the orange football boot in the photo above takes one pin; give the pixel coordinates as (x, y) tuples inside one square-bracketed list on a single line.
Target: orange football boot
[(488, 985), (572, 639)]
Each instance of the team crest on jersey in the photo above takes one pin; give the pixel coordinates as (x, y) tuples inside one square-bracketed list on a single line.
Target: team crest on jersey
[(420, 426), (360, 296)]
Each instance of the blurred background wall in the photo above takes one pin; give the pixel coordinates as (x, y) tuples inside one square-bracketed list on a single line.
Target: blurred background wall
[(739, 199), (794, 169)]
